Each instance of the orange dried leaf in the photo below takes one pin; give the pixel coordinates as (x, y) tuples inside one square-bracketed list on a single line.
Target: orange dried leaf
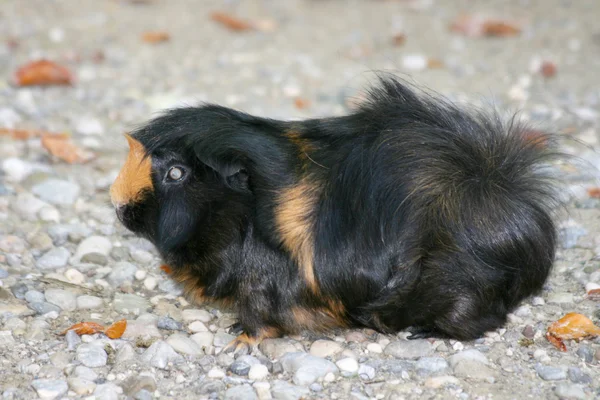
[(166, 269), (155, 37), (399, 39), (301, 103), (594, 192), (61, 147), (573, 326), (43, 72), (548, 69), (85, 328), (557, 342), (20, 134), (434, 63), (231, 22), (477, 26), (115, 331)]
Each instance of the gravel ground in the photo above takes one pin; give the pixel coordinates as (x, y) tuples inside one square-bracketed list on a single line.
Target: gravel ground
[(65, 259)]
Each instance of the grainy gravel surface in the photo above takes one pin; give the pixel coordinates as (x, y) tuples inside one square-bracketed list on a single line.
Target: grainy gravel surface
[(65, 259)]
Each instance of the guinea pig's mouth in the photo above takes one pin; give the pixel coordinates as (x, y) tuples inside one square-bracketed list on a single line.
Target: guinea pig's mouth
[(131, 216)]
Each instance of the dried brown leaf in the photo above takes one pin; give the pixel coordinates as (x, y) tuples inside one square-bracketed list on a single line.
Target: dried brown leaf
[(233, 23), (399, 39), (301, 103), (60, 146), (478, 26), (43, 73), (548, 69), (21, 134), (571, 326), (155, 37), (85, 328), (116, 330), (594, 192)]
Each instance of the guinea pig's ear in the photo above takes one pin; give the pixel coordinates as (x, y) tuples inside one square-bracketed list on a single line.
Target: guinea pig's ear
[(232, 171)]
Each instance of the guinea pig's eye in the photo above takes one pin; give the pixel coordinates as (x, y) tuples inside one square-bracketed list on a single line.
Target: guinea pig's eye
[(175, 174)]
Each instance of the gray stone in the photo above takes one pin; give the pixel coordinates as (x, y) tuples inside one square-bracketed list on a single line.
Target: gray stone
[(242, 392), (183, 344), (122, 272), (160, 354), (222, 339), (91, 355), (473, 369), (410, 349), (12, 244), (194, 314), (72, 339), (53, 259), (325, 348), (86, 302), (19, 290), (130, 303), (56, 191), (366, 372), (94, 250), (550, 373), (6, 339), (569, 391), (242, 365), (107, 391), (34, 296), (471, 355), (27, 206), (3, 273), (44, 307), (431, 365), (560, 298), (143, 395), (135, 383), (125, 353), (306, 368), (281, 390), (576, 375), (276, 348), (586, 353), (81, 386), (62, 298), (85, 373), (50, 389), (169, 324)]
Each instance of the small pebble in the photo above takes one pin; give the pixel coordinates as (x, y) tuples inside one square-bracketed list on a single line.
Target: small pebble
[(64, 299), (54, 259), (50, 389), (550, 373), (348, 366), (169, 324), (258, 372), (374, 348), (91, 355), (216, 374), (86, 302)]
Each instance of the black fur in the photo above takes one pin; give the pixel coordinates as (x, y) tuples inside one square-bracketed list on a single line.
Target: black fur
[(427, 215)]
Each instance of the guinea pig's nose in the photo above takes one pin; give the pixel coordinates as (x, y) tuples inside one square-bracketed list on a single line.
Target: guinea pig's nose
[(120, 210)]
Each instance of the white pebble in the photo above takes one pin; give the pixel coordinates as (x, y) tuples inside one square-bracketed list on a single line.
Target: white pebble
[(140, 274), (197, 326), (74, 276), (414, 62), (216, 374), (591, 286), (348, 366), (150, 283), (374, 348), (258, 372), (329, 377)]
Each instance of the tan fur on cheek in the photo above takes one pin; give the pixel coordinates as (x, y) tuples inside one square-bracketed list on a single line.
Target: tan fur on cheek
[(135, 175)]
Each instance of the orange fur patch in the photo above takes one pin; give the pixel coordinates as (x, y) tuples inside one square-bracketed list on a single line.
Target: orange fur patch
[(249, 342), (135, 175), (294, 219), (323, 318), (193, 288)]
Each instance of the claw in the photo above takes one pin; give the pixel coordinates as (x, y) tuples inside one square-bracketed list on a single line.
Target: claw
[(241, 345), (235, 329), (421, 333), (244, 343)]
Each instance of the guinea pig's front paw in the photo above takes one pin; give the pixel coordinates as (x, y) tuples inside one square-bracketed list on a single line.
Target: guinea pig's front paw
[(245, 343)]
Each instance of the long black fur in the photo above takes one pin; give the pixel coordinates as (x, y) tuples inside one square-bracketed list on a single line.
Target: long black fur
[(428, 215)]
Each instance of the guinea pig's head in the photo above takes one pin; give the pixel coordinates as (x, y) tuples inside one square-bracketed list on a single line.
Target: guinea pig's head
[(168, 195)]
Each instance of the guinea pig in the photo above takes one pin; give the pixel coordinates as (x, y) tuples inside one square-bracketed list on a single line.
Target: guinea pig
[(409, 213)]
